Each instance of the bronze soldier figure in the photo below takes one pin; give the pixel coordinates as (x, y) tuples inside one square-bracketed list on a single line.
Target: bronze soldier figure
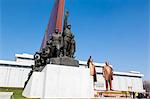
[(67, 40), (56, 43), (73, 47)]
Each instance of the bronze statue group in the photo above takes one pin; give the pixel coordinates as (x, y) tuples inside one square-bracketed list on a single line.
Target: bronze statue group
[(107, 73), (60, 44)]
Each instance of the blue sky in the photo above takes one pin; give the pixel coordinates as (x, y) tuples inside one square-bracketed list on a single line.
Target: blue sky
[(114, 30)]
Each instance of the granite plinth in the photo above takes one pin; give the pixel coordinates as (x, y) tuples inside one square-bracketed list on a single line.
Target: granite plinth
[(67, 61), (56, 81)]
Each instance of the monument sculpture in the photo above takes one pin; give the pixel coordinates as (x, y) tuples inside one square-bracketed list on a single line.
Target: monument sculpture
[(59, 47), (56, 73)]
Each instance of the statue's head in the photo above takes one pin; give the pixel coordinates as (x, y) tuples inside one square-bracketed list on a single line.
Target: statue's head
[(69, 27), (56, 31), (106, 63), (90, 57), (72, 36), (67, 13)]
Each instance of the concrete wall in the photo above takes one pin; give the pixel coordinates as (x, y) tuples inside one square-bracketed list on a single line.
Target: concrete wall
[(13, 76)]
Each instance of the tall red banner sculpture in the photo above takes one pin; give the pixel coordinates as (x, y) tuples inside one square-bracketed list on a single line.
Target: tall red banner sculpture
[(55, 21)]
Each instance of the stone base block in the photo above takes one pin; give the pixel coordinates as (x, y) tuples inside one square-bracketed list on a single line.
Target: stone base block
[(57, 81), (67, 61)]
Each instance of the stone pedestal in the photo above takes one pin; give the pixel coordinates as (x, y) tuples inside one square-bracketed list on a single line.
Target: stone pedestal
[(67, 61), (60, 81)]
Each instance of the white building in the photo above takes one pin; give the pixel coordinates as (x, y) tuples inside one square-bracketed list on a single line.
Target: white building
[(15, 73)]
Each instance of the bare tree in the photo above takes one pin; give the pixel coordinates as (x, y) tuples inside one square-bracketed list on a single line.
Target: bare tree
[(146, 85)]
